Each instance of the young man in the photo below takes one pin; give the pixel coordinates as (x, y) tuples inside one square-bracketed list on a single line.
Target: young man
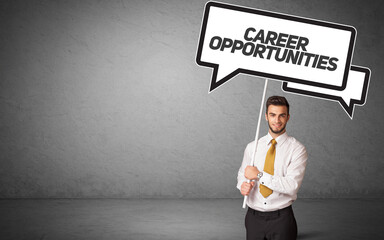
[(280, 162)]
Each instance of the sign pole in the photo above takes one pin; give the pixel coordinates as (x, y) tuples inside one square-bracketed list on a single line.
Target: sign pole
[(257, 135)]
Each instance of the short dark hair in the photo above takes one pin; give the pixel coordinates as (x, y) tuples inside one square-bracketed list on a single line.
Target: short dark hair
[(277, 101)]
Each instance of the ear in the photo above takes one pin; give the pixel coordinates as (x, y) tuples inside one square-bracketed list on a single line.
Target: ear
[(288, 117), (266, 117)]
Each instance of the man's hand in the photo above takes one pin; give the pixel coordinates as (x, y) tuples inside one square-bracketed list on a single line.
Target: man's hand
[(251, 172), (246, 188)]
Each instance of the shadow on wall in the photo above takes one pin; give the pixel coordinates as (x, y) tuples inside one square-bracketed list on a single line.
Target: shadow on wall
[(309, 235)]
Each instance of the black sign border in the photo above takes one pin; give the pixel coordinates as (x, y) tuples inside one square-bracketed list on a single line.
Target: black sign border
[(349, 109), (215, 67)]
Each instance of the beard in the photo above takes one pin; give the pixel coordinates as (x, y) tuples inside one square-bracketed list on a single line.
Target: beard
[(278, 131)]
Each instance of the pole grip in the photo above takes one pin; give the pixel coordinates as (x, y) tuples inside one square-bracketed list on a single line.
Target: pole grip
[(246, 197)]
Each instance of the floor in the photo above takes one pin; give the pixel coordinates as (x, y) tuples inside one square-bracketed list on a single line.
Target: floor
[(167, 219)]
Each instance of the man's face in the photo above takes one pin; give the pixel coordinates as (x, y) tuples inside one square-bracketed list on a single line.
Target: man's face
[(277, 118)]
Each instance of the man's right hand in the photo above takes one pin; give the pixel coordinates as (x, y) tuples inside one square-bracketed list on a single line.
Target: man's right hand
[(246, 188)]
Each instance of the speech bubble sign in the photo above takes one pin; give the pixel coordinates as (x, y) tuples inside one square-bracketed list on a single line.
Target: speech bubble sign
[(355, 92), (236, 39)]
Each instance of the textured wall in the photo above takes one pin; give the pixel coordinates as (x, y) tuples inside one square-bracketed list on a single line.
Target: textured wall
[(104, 99)]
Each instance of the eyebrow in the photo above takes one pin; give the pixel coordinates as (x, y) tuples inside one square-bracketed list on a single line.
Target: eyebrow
[(283, 114)]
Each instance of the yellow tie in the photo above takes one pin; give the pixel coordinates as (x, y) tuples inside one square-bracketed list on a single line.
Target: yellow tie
[(269, 167)]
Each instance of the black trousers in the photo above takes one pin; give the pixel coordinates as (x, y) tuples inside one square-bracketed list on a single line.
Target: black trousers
[(276, 225)]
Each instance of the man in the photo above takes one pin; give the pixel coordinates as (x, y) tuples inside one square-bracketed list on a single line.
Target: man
[(278, 171)]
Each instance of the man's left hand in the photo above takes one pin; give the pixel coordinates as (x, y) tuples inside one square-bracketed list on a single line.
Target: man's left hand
[(251, 172)]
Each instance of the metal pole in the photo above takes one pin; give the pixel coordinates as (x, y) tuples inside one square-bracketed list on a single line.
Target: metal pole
[(257, 135)]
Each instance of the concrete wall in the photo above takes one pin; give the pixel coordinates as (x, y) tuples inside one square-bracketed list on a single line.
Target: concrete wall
[(104, 99)]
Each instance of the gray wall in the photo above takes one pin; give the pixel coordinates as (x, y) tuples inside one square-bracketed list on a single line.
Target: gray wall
[(104, 99)]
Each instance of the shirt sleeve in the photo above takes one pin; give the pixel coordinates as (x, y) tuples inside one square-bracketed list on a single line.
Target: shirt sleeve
[(244, 164), (291, 182)]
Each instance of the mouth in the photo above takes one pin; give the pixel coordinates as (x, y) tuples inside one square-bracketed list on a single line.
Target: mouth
[(277, 125)]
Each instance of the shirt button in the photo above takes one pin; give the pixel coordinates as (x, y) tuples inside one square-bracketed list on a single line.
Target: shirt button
[(265, 203), (262, 182)]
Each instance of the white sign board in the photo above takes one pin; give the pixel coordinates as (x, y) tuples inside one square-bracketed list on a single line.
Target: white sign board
[(315, 55)]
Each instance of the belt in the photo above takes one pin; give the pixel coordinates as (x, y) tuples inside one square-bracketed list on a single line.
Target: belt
[(272, 213)]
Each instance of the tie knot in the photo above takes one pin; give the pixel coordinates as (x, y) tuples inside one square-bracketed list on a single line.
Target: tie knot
[(273, 141)]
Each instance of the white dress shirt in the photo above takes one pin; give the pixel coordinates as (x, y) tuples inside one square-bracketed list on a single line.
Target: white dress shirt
[(290, 161)]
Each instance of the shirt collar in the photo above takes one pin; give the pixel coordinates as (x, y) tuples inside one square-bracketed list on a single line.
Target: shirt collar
[(279, 140)]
